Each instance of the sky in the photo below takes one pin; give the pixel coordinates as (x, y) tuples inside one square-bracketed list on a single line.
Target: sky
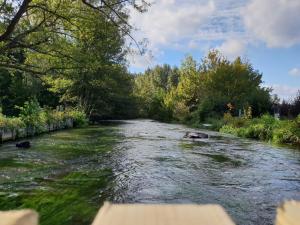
[(265, 32)]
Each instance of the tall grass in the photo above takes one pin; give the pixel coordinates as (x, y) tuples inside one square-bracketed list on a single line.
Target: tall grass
[(35, 120), (265, 128)]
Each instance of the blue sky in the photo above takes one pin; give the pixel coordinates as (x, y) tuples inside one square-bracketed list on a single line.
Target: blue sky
[(266, 32)]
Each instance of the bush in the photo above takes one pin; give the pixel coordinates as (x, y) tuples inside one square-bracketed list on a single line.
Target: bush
[(236, 122), (3, 121), (31, 115), (37, 120), (216, 124), (78, 116), (229, 129), (265, 128), (287, 132)]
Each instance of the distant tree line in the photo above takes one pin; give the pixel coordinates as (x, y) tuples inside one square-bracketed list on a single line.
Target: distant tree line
[(199, 91), (290, 109), (73, 54)]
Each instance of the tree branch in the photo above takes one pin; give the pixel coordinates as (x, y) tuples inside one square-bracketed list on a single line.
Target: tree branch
[(12, 25), (100, 9)]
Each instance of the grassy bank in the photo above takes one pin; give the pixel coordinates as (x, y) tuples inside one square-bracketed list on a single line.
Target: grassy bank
[(264, 128), (34, 120)]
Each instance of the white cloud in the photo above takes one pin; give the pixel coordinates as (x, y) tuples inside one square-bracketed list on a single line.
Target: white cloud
[(190, 24), (143, 61), (295, 72), (284, 91), (276, 22), (232, 48), (169, 21), (195, 25)]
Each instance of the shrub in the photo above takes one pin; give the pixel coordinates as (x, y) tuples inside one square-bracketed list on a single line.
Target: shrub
[(14, 123), (228, 129), (78, 116), (216, 124), (3, 121), (48, 116), (265, 128), (31, 115)]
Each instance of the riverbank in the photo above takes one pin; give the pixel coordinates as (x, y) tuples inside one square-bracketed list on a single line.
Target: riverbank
[(34, 120), (265, 128)]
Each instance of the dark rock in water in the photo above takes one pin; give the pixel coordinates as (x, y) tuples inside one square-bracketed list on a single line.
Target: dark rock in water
[(24, 144), (195, 135)]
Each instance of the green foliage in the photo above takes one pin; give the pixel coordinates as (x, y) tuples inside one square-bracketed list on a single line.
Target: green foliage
[(68, 53), (203, 90), (31, 115), (154, 91), (265, 128), (37, 120), (78, 116), (3, 121), (14, 123)]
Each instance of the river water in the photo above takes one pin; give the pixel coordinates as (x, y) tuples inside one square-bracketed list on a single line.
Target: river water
[(143, 161)]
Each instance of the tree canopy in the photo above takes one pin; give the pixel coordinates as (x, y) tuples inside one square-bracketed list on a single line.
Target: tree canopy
[(204, 89), (66, 52)]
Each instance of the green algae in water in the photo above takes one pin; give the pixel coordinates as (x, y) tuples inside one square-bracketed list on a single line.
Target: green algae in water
[(220, 158), (11, 162), (67, 191), (192, 145)]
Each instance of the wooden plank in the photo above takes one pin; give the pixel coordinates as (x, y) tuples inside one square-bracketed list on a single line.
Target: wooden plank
[(19, 217), (143, 214), (288, 213)]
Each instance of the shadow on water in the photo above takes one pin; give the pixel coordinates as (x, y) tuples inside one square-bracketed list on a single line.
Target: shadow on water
[(111, 122), (67, 175)]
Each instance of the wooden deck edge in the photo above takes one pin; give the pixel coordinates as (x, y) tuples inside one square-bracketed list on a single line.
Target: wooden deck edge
[(19, 217)]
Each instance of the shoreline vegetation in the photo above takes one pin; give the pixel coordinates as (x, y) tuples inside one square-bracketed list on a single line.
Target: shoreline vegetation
[(229, 95), (69, 60), (265, 128), (34, 120)]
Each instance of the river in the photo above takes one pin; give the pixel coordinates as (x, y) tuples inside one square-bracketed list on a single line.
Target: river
[(67, 175)]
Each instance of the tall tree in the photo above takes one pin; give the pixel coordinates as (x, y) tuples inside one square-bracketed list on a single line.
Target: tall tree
[(45, 26)]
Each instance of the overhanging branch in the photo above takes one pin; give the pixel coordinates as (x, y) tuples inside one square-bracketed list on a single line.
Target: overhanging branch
[(12, 25)]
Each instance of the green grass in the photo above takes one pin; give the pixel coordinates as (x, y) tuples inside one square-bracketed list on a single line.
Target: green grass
[(265, 128)]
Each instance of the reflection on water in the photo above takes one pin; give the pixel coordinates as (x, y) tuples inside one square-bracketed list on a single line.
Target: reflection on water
[(146, 162)]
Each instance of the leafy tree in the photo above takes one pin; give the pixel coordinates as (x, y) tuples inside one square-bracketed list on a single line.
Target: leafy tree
[(47, 28), (152, 89), (203, 90), (234, 82), (30, 114)]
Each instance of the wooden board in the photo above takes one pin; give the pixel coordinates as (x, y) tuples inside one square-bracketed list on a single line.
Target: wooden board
[(143, 214), (288, 213), (19, 217)]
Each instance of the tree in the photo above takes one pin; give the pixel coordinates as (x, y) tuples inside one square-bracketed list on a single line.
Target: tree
[(234, 82), (203, 90), (47, 27), (151, 90)]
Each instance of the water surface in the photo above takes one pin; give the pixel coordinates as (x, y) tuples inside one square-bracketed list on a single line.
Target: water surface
[(67, 175)]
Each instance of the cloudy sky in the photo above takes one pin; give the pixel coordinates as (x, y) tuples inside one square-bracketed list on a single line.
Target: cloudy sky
[(267, 32)]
